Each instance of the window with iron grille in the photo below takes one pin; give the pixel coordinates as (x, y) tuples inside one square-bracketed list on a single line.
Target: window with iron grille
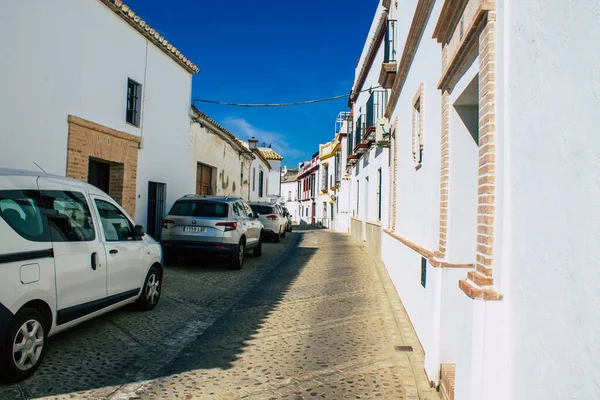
[(260, 183), (134, 101)]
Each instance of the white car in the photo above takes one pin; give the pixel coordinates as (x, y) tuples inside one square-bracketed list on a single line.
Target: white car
[(68, 253), (271, 216)]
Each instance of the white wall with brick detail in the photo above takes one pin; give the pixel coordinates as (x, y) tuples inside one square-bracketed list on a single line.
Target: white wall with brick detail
[(551, 212), (73, 57)]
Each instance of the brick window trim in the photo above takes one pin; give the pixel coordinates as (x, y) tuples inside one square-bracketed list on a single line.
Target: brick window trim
[(89, 140), (479, 38)]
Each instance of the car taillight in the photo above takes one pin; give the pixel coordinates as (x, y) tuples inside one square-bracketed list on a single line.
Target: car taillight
[(166, 223), (229, 226), (272, 217)]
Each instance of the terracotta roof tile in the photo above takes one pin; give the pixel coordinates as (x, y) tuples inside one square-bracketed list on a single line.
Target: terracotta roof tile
[(126, 13), (269, 154)]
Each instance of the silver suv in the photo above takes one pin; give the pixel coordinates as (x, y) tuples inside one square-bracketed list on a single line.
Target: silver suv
[(225, 226)]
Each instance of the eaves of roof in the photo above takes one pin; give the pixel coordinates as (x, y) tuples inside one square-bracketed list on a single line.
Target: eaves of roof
[(127, 14)]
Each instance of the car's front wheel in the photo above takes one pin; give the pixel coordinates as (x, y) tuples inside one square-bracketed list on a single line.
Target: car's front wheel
[(237, 258), (24, 347), (151, 292)]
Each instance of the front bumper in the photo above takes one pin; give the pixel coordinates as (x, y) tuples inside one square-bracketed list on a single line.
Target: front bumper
[(181, 247)]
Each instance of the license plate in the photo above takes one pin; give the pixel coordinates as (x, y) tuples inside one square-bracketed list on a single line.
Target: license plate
[(194, 229)]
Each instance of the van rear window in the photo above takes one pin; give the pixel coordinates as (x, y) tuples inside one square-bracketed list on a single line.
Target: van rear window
[(23, 212), (203, 208)]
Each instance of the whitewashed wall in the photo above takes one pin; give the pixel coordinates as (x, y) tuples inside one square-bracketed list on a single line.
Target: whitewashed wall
[(255, 168), (291, 202), (210, 149), (552, 183), (274, 178), (74, 57)]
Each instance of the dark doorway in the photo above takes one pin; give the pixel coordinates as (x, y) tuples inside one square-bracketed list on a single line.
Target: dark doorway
[(99, 175), (157, 193)]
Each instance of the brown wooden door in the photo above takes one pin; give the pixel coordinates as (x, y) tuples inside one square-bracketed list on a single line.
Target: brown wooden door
[(203, 179)]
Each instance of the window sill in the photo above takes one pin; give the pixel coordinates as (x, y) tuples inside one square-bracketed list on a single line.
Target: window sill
[(134, 125)]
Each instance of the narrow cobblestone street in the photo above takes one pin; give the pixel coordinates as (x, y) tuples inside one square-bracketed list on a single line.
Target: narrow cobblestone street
[(315, 317)]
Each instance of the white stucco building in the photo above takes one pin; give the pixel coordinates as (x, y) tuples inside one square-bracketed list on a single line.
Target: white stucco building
[(289, 192), (274, 193), (334, 182), (91, 91), (220, 162), (489, 195), (308, 187)]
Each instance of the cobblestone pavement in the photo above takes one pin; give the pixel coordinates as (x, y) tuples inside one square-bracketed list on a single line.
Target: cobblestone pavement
[(315, 317)]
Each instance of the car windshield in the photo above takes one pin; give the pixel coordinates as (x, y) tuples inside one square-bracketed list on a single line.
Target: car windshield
[(263, 210), (200, 209)]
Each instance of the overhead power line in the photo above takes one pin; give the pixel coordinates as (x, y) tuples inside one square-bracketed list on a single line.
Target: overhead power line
[(296, 103)]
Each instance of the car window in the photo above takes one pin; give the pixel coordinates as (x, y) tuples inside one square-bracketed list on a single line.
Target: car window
[(69, 217), (236, 210), (22, 210), (263, 210), (116, 226), (243, 211), (202, 208)]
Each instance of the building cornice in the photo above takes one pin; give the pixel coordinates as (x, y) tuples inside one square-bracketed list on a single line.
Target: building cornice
[(134, 20), (369, 58)]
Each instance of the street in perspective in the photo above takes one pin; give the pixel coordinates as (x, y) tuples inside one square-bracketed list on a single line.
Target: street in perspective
[(309, 318), (365, 199)]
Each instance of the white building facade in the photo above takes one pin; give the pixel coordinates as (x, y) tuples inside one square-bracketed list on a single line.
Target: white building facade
[(90, 91), (220, 163), (289, 192), (308, 186), (274, 193), (489, 179)]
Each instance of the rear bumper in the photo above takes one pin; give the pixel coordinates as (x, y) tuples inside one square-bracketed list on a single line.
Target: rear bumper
[(198, 247), (269, 232)]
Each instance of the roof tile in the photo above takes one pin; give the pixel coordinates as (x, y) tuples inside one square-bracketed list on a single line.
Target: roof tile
[(125, 12)]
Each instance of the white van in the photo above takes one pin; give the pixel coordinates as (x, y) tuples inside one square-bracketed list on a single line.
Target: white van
[(68, 253)]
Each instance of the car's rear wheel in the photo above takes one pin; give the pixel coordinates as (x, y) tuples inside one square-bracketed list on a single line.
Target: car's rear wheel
[(277, 237), (151, 292), (24, 347), (257, 252), (284, 231), (237, 259)]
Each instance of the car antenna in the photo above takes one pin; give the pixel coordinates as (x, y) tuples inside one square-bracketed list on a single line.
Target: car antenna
[(36, 164)]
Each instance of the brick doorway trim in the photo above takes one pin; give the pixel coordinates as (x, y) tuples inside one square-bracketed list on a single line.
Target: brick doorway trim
[(89, 140)]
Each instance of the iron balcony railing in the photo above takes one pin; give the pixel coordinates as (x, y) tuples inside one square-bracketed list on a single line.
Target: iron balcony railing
[(390, 43), (350, 135), (376, 107), (359, 130)]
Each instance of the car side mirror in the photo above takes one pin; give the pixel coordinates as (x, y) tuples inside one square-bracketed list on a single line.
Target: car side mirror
[(256, 215), (138, 232)]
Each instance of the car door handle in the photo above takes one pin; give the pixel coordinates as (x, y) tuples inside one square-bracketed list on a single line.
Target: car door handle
[(114, 251), (94, 261)]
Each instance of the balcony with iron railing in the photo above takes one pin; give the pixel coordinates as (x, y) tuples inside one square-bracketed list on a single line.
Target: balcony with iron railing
[(375, 110), (390, 62)]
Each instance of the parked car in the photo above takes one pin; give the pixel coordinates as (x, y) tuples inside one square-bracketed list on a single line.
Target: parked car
[(271, 216), (290, 222), (68, 253), (225, 226)]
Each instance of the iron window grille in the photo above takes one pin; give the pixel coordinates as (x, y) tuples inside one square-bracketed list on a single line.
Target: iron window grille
[(134, 95)]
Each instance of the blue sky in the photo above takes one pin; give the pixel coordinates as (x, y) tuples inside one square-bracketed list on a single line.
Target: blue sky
[(267, 51)]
